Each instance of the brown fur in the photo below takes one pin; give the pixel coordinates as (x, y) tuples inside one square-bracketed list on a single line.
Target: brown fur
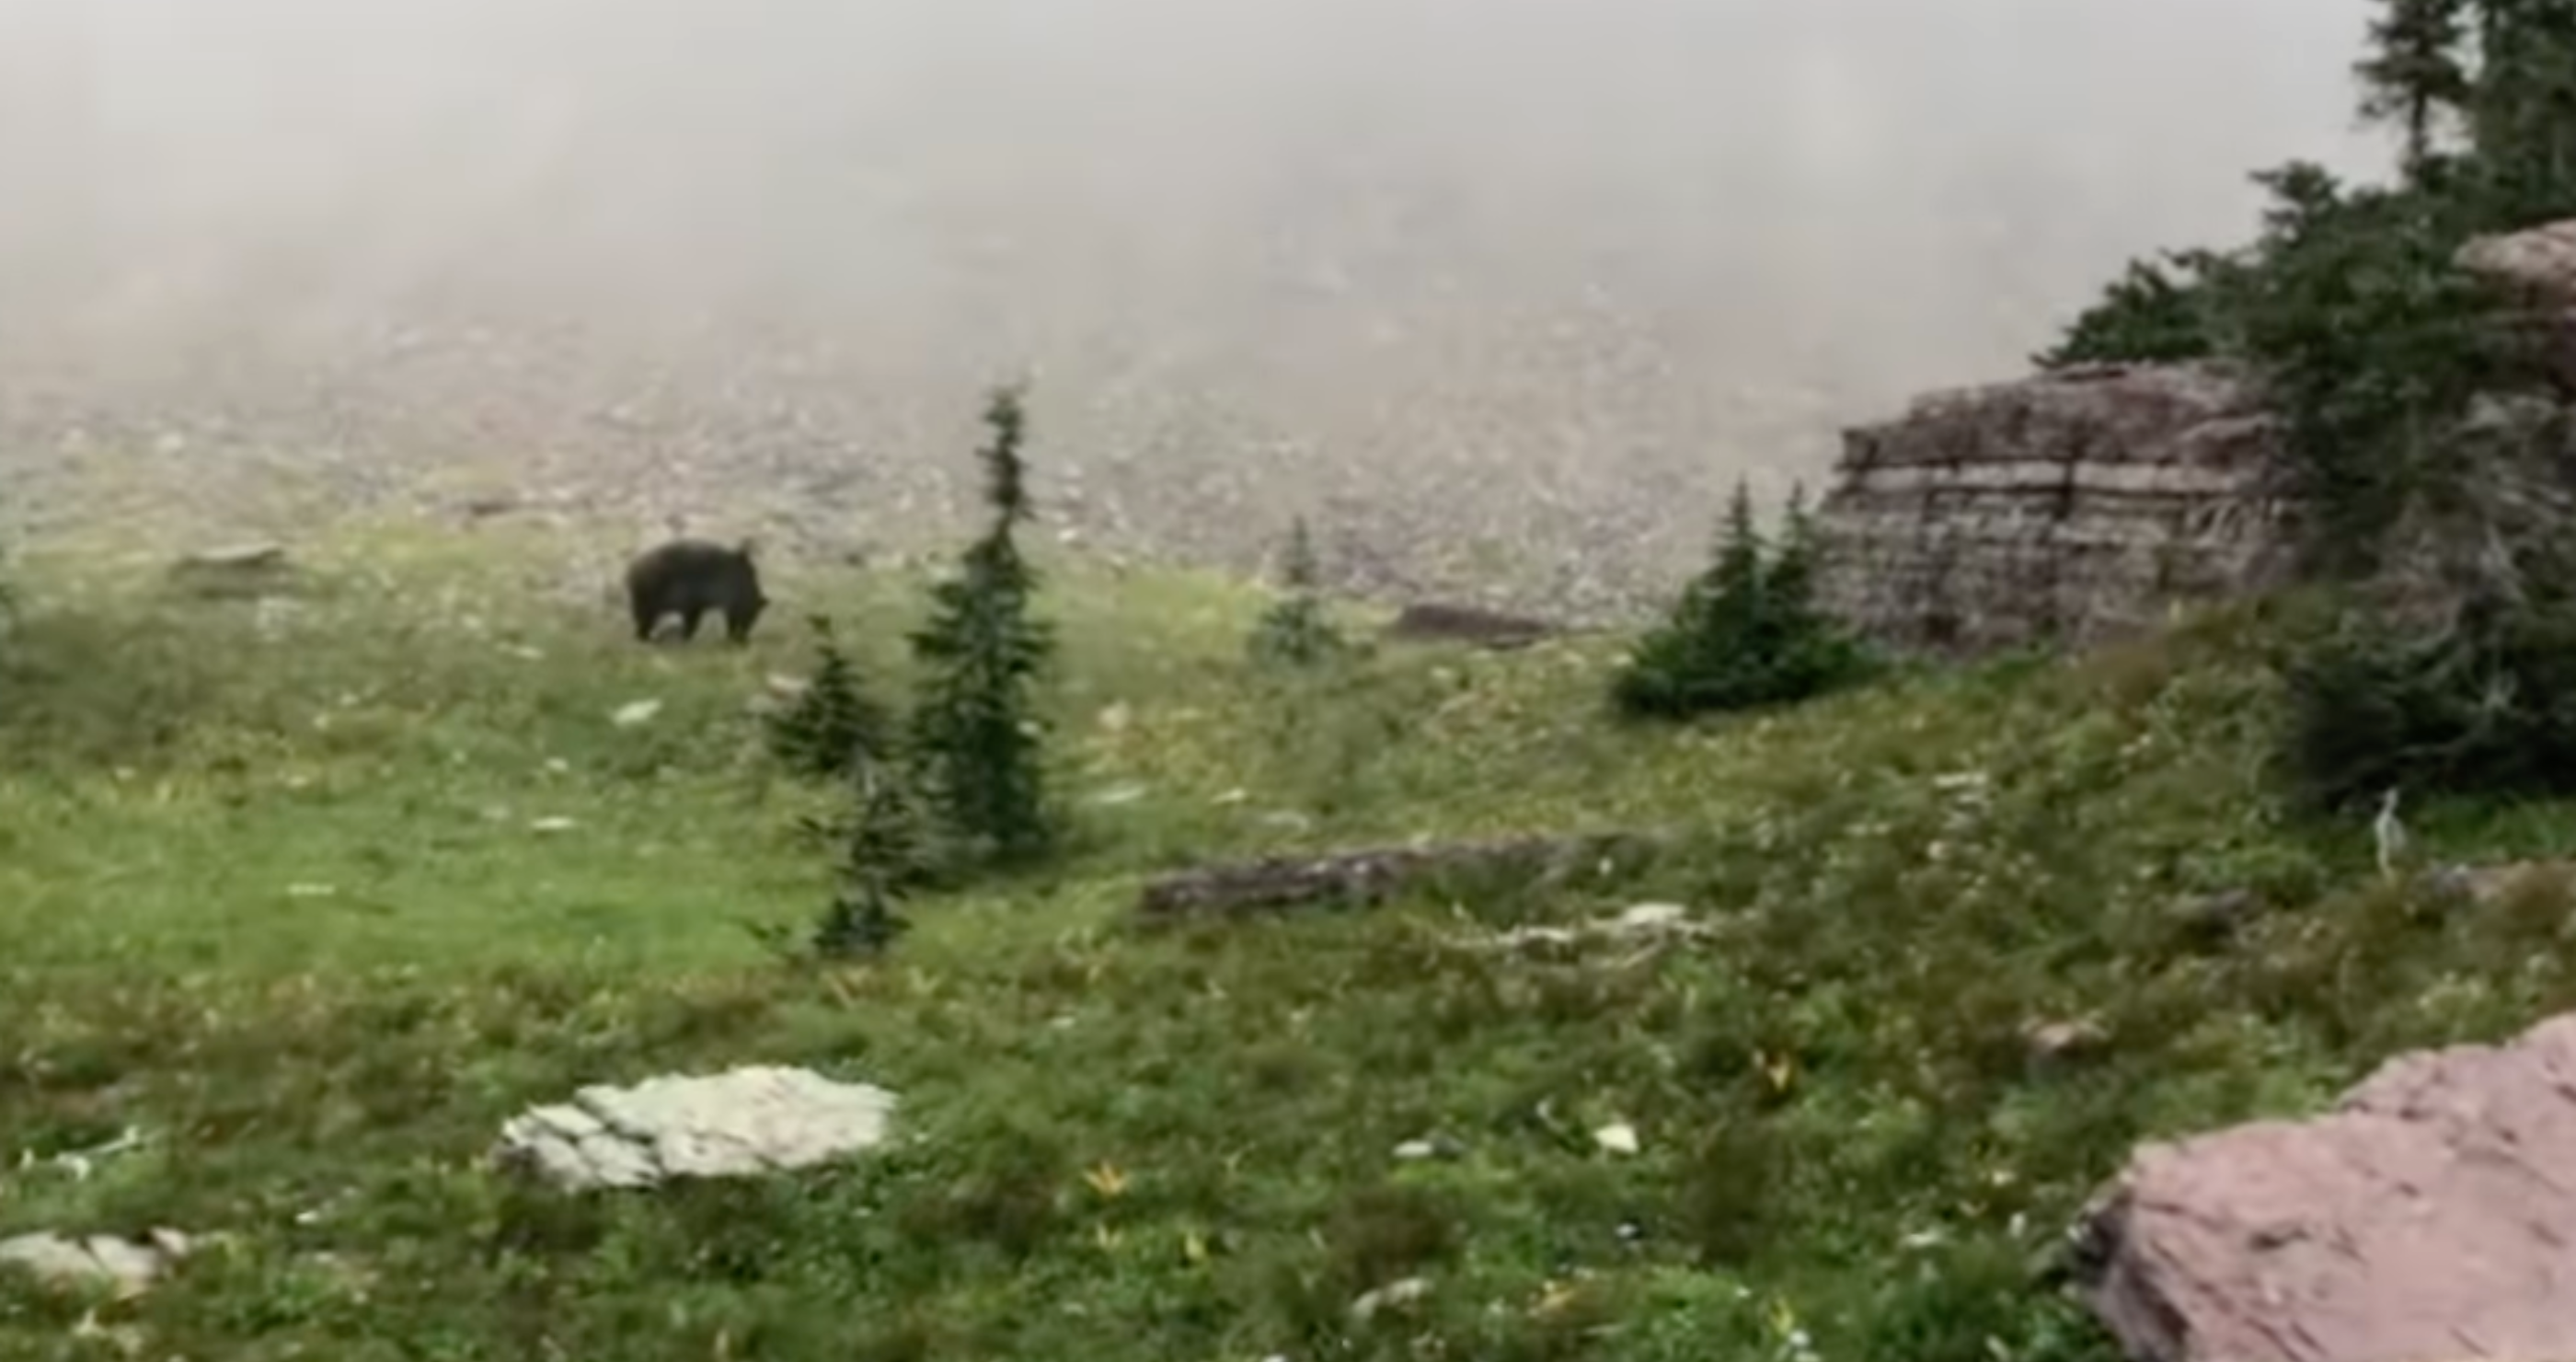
[(690, 578)]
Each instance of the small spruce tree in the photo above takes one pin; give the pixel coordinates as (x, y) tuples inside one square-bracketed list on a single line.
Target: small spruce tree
[(882, 861), (974, 733), (1746, 632), (2415, 76), (1294, 632), (835, 723)]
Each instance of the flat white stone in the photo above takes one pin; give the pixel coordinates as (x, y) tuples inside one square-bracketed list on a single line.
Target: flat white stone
[(745, 1122)]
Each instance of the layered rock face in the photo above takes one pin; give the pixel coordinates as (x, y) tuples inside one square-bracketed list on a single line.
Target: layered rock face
[(2076, 505)]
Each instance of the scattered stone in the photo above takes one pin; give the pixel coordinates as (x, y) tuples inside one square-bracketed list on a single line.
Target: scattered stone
[(1365, 877), (100, 1260), (753, 1120), (1652, 923), (635, 714), (1389, 1296), (552, 825), (80, 1163), (1117, 718), (1118, 795), (1429, 1147), (2425, 1218), (2213, 916), (311, 891), (239, 570), (1619, 1137), (1650, 917), (1293, 822), (237, 557), (2485, 885), (2060, 1042)]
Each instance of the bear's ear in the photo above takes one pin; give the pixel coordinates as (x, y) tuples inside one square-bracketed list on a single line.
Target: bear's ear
[(744, 550)]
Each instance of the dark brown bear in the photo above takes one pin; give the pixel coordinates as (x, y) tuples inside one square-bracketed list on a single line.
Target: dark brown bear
[(690, 577)]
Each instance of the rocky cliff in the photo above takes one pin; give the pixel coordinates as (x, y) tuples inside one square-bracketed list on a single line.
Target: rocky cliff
[(2074, 505), (2084, 503)]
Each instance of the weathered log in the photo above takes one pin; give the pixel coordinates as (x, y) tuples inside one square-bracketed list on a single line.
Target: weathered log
[(1440, 622), (1363, 878)]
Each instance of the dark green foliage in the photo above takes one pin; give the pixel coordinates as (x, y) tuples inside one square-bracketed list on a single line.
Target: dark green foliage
[(2519, 105), (2347, 306), (1975, 1303), (1294, 632), (1746, 632), (884, 858), (2371, 344), (975, 735), (2158, 311), (2479, 700), (2377, 350), (835, 724), (2415, 74)]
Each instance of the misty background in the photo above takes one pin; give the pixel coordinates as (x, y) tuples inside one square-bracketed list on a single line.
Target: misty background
[(1504, 293)]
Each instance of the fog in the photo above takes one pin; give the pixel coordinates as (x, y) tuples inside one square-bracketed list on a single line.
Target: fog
[(1516, 276)]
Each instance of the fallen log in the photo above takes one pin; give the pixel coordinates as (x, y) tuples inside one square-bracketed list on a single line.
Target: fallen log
[(1439, 622), (1363, 878)]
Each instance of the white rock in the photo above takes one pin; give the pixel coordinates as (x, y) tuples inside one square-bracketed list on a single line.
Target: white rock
[(1117, 795), (1429, 1147), (259, 554), (636, 713), (1649, 917), (1619, 1137), (1403, 1292), (752, 1120), (99, 1260), (553, 825)]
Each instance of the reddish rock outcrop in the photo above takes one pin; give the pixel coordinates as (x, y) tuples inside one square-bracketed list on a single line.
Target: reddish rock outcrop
[(2076, 505), (2430, 1218)]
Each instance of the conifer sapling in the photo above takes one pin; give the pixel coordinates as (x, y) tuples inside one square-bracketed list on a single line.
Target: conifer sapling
[(975, 734)]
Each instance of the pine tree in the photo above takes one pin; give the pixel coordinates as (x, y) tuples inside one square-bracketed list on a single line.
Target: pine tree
[(2415, 74), (2521, 108), (974, 732), (1293, 632), (882, 861), (1791, 583), (835, 723), (1746, 632)]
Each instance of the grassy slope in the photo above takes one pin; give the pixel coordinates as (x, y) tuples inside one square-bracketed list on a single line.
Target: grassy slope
[(1170, 1146)]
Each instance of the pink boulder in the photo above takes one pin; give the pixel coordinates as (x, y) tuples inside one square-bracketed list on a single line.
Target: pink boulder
[(2431, 1217)]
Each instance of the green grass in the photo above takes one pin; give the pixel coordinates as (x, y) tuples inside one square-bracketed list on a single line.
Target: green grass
[(281, 903)]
